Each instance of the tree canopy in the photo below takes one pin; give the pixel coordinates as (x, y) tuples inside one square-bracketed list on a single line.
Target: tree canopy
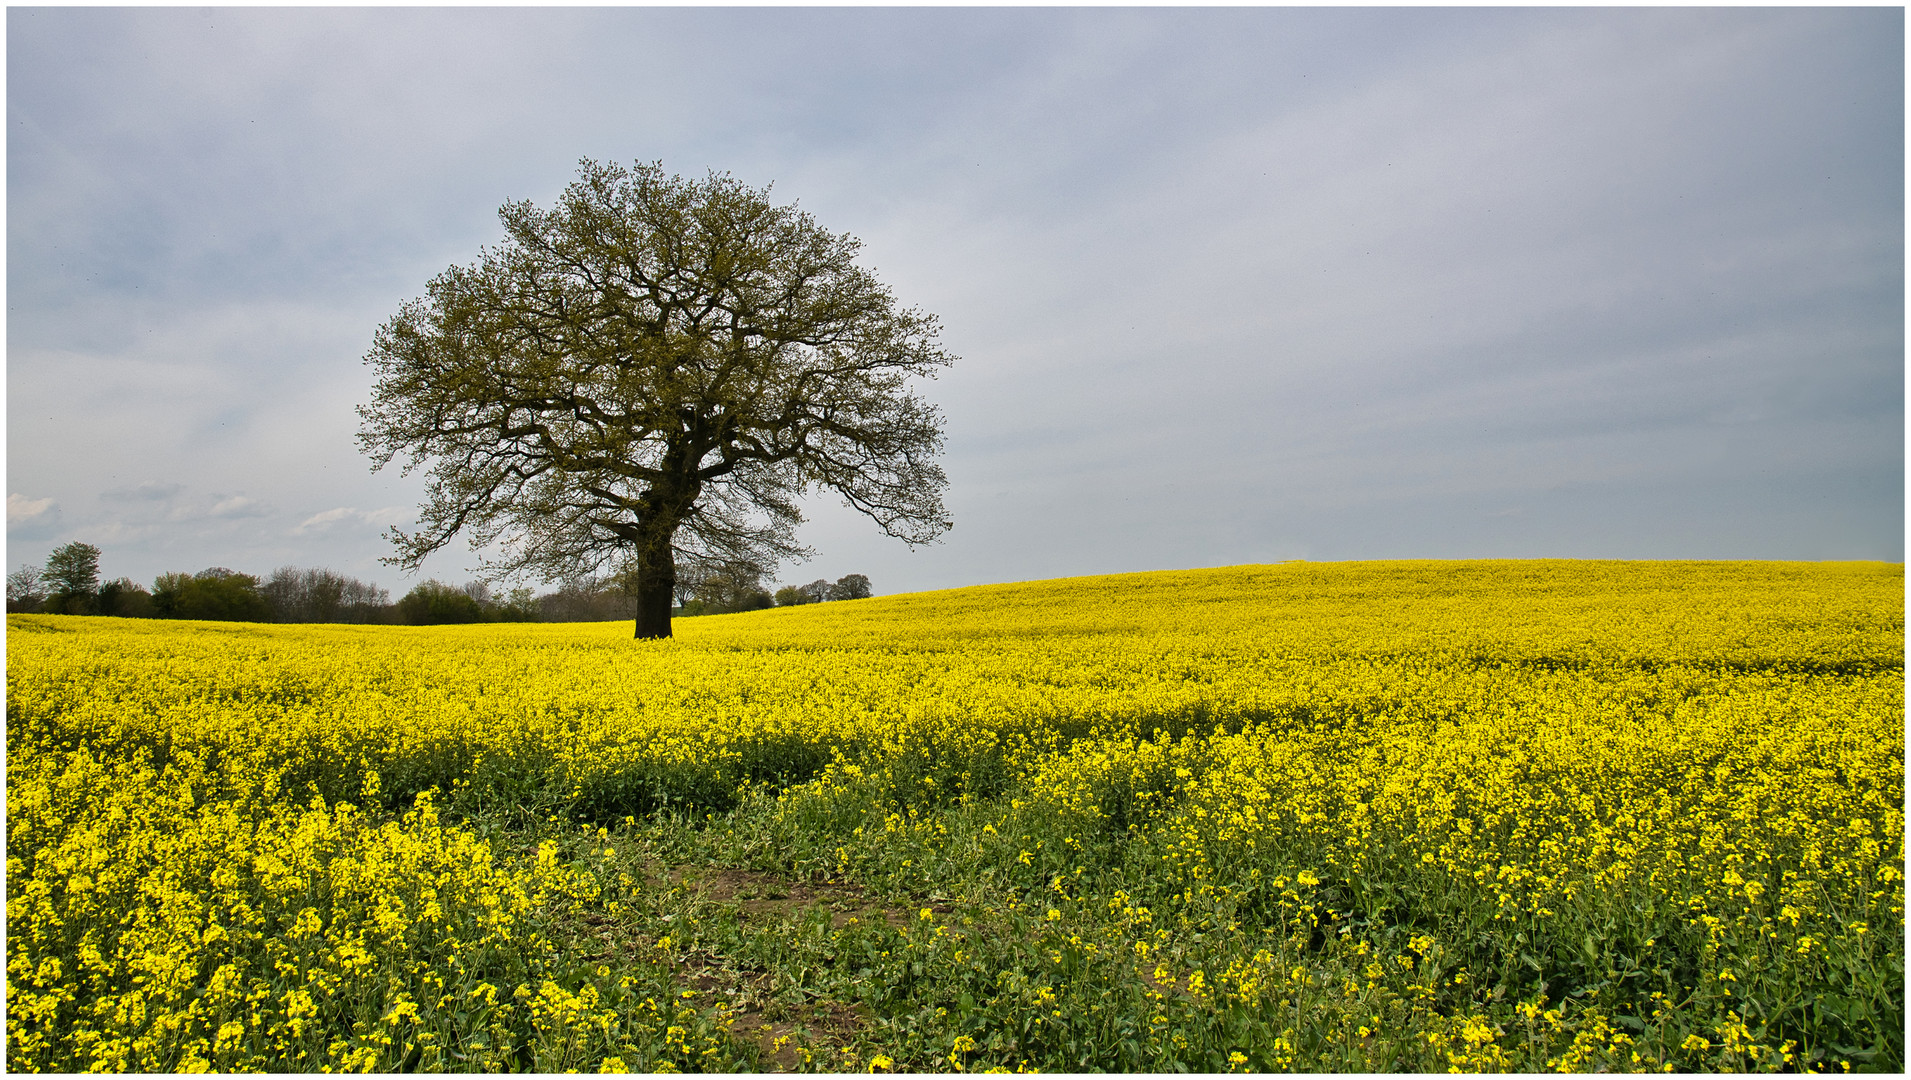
[(850, 587), (72, 577), (653, 372), (215, 593)]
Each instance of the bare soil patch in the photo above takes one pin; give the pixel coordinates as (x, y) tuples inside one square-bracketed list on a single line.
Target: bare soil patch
[(760, 894)]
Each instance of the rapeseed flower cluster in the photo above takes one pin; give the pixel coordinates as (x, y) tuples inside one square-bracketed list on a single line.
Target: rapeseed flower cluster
[(1475, 816), (171, 919)]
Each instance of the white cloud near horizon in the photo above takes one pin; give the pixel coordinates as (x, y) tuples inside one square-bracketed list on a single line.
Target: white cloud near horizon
[(21, 509), (237, 506), (380, 519)]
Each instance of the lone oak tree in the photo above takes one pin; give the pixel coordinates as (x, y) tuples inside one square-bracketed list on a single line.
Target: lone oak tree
[(654, 371)]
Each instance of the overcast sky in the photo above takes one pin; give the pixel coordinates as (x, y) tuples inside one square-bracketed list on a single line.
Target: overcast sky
[(1227, 286)]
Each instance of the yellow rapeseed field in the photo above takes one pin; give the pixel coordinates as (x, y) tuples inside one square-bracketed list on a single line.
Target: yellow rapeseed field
[(1525, 815)]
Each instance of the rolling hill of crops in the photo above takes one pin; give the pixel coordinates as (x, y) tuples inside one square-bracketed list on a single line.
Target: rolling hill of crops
[(1360, 816)]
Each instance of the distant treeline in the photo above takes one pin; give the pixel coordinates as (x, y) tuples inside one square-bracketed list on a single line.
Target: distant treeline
[(69, 584)]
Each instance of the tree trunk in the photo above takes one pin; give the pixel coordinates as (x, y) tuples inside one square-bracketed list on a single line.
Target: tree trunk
[(656, 588)]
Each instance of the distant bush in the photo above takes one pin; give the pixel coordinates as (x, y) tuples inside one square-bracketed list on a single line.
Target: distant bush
[(434, 603), (847, 587), (68, 585), (723, 589), (215, 593), (850, 587), (518, 605), (125, 598)]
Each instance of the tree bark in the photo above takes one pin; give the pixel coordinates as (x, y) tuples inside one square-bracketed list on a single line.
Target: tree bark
[(656, 588)]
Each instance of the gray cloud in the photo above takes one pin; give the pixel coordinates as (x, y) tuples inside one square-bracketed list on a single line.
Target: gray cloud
[(1228, 285), (150, 491)]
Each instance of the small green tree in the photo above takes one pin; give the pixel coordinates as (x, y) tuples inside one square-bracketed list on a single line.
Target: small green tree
[(72, 578), (792, 595), (518, 605)]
